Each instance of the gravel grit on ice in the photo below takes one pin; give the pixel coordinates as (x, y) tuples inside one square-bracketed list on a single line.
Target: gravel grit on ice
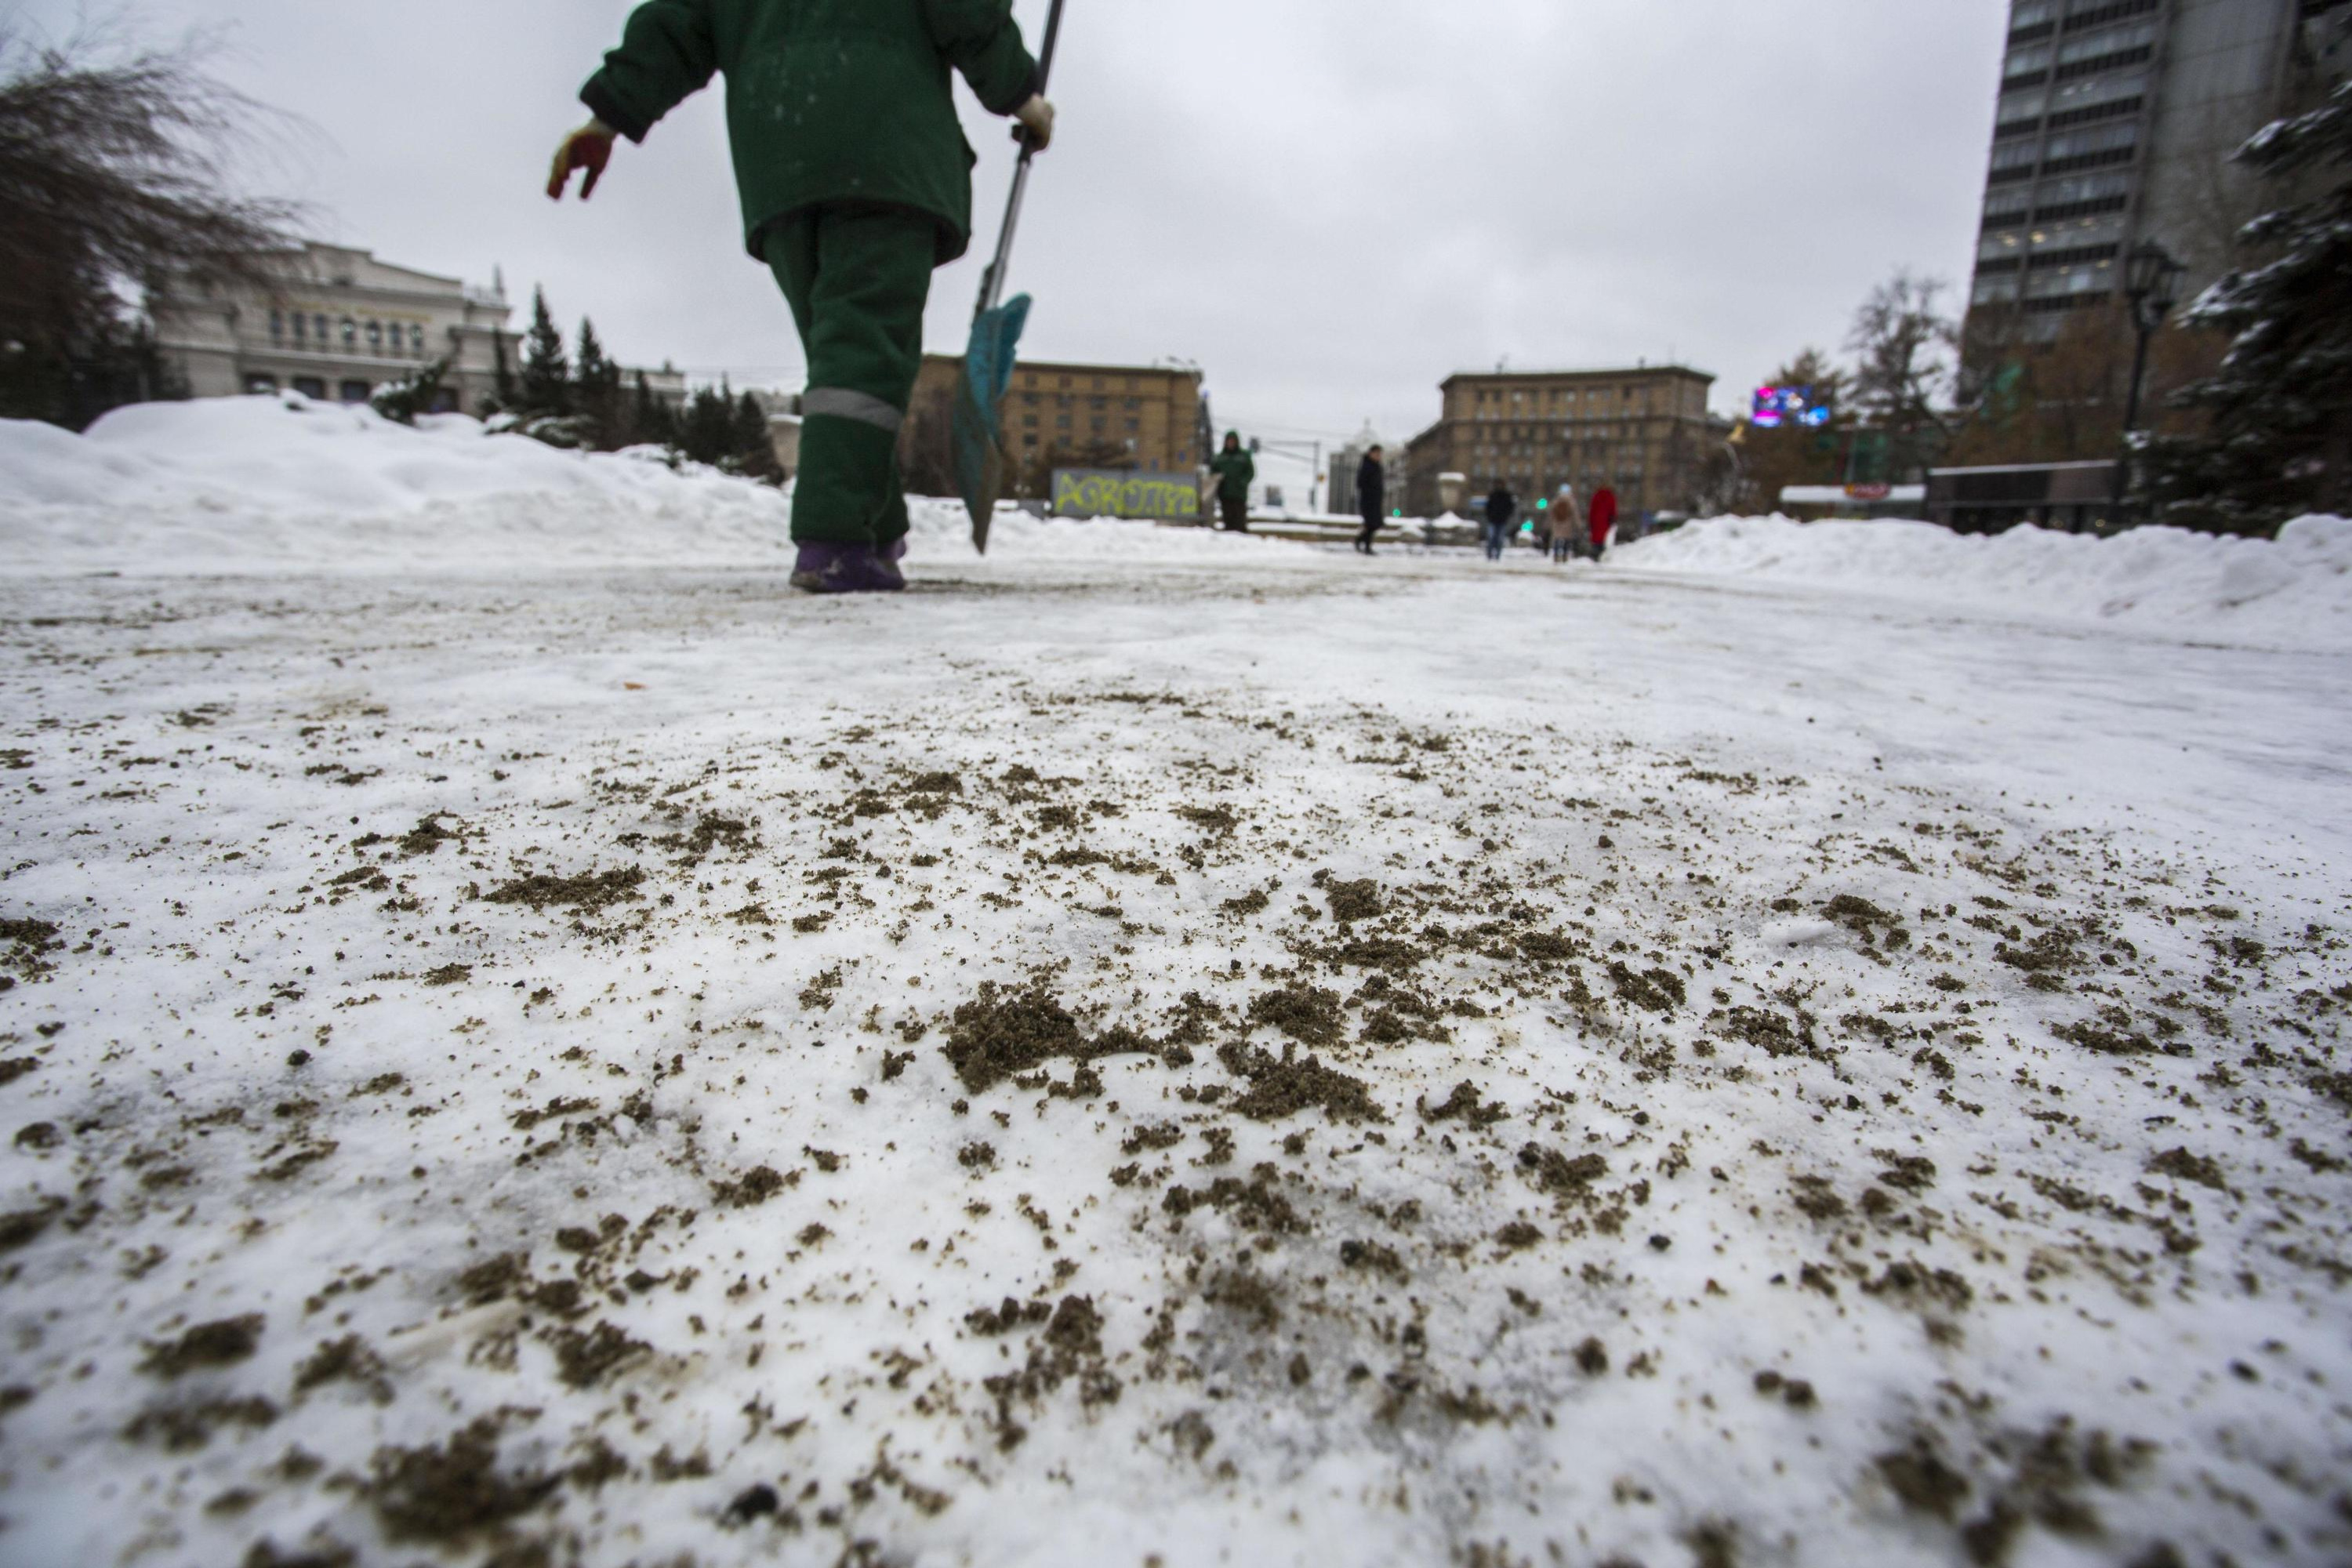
[(524, 1042)]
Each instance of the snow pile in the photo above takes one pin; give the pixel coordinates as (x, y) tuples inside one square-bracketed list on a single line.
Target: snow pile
[(2298, 589), (286, 484), (942, 532)]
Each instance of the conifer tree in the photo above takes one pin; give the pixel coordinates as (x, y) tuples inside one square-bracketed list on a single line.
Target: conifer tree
[(706, 435), (754, 447), (650, 419), (596, 389), (2280, 442), (589, 365), (546, 386)]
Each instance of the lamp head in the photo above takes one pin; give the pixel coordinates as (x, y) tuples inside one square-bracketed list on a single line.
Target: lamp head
[(2152, 278)]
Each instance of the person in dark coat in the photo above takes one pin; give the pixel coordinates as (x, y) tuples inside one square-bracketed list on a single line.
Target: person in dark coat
[(1371, 495), (856, 182), (1602, 515), (1502, 506), (1235, 469)]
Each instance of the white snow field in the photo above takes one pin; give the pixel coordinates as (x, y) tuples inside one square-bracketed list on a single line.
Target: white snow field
[(524, 1042)]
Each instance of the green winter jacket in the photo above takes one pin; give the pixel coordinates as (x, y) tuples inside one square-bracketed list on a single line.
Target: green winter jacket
[(827, 101), (1234, 470)]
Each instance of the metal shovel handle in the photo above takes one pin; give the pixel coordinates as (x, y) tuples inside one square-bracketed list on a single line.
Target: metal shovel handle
[(992, 282)]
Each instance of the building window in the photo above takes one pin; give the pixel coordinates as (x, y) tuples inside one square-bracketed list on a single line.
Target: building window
[(2021, 108), (2079, 233), (2026, 62), (263, 384), (310, 386), (2014, 155), (2083, 188), (319, 330), (2073, 280), (2112, 41), (2092, 92), (2093, 139), (355, 392), (2008, 204), (276, 329), (376, 335), (351, 332), (301, 326), (1994, 246)]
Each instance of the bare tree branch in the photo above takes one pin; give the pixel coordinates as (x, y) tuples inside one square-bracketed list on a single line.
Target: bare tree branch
[(113, 174)]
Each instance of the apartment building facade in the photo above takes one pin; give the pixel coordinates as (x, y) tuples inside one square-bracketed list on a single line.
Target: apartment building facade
[(2115, 122), (1146, 418), (1644, 432)]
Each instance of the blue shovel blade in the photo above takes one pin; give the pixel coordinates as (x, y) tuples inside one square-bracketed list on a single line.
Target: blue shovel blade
[(978, 432)]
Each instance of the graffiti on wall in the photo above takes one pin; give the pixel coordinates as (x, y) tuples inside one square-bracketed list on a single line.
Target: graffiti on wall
[(1109, 492)]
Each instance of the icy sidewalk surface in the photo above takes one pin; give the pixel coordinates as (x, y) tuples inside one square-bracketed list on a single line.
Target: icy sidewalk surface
[(1276, 1060)]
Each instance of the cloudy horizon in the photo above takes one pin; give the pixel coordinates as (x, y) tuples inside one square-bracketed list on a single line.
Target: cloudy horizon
[(1328, 218)]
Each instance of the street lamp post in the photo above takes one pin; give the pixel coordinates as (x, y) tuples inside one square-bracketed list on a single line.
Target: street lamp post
[(2151, 283)]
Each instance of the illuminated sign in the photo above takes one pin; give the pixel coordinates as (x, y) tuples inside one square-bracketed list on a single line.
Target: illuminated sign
[(1779, 406)]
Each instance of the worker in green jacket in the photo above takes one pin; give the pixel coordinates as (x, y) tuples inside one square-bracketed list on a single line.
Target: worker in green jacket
[(1235, 469), (855, 181)]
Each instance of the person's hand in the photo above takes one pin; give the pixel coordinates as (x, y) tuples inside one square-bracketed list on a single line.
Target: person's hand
[(589, 148), (1036, 128)]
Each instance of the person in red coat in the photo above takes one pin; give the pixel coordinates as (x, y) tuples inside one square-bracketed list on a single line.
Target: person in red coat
[(1602, 516)]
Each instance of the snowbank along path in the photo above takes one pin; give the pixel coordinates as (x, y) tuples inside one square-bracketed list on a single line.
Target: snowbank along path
[(1146, 1049)]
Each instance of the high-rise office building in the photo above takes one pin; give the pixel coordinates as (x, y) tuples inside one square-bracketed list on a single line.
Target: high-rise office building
[(2117, 122)]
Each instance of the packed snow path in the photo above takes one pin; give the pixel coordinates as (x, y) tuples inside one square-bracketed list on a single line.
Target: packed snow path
[(1281, 1059)]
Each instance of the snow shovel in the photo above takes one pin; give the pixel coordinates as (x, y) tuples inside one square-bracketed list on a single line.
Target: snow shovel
[(978, 425)]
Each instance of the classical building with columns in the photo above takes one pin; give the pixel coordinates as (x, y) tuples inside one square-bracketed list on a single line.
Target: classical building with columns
[(338, 325)]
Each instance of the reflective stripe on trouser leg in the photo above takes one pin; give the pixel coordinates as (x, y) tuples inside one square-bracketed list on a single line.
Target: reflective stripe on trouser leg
[(845, 404)]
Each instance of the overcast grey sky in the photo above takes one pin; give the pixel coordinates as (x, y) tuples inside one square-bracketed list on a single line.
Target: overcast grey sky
[(1330, 205)]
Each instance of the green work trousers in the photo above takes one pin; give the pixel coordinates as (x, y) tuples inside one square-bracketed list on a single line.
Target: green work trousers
[(857, 279)]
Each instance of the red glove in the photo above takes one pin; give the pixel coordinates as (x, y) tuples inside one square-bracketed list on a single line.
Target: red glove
[(589, 148)]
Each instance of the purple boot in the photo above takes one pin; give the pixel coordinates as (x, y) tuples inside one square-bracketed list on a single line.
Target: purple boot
[(887, 557), (825, 568)]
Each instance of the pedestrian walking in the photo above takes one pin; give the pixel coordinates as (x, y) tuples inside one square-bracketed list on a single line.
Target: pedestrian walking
[(1235, 469), (1567, 524), (1371, 495), (1603, 517), (855, 183), (1502, 506)]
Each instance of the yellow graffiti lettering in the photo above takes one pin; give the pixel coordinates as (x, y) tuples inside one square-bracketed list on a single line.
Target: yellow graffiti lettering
[(1109, 494)]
